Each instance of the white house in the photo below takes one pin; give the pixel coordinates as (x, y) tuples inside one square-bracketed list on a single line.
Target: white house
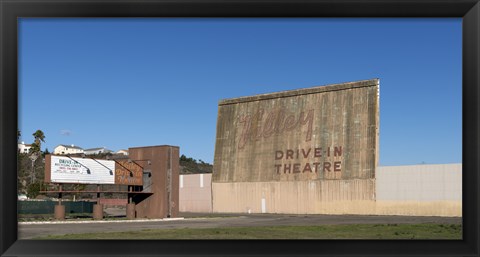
[(24, 148), (122, 151), (67, 149), (98, 150)]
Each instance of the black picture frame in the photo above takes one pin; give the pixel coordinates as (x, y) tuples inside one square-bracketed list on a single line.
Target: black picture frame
[(11, 10)]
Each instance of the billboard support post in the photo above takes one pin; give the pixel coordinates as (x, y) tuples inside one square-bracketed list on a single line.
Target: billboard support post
[(98, 208), (98, 194), (59, 208), (59, 212), (130, 211), (98, 211), (60, 189)]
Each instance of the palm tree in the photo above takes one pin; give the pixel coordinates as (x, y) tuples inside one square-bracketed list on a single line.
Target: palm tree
[(36, 150), (39, 136)]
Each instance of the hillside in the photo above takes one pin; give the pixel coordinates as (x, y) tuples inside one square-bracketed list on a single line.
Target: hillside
[(192, 166)]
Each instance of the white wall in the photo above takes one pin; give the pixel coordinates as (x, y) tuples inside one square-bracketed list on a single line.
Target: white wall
[(440, 182), (23, 148), (195, 193), (95, 151), (419, 190), (66, 150)]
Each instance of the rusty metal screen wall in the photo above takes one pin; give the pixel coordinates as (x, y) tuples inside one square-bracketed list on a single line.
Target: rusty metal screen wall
[(327, 132)]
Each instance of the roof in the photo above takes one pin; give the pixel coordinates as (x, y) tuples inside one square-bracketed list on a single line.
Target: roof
[(95, 149), (73, 147), (152, 146)]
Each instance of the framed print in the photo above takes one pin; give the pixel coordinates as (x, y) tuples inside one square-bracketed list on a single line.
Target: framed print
[(11, 12)]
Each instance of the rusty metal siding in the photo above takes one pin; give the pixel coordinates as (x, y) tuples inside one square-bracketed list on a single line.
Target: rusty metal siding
[(129, 173), (48, 168), (195, 196), (164, 200), (328, 132)]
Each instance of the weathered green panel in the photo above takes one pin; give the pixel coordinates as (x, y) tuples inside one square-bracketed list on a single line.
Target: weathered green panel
[(326, 132), (47, 207)]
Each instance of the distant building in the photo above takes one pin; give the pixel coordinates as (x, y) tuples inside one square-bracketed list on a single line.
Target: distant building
[(24, 148), (98, 150), (67, 149), (122, 151)]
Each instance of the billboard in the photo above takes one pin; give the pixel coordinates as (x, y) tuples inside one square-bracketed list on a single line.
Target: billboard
[(319, 133), (64, 169), (128, 173)]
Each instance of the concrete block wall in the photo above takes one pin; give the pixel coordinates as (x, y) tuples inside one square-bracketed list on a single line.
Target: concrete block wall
[(195, 193), (424, 190), (440, 182)]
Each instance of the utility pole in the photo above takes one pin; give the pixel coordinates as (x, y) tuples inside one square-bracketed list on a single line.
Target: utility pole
[(33, 157)]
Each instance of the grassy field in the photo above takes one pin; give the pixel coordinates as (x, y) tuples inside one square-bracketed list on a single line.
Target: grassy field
[(363, 231)]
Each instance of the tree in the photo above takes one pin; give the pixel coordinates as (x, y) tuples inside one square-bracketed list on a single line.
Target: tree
[(35, 151), (23, 165), (39, 137), (33, 190), (19, 134), (45, 152), (34, 148)]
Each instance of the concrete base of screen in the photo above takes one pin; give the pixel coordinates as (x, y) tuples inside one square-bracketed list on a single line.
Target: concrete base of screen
[(337, 197)]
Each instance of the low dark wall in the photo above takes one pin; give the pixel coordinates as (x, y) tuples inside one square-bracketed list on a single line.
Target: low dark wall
[(47, 207)]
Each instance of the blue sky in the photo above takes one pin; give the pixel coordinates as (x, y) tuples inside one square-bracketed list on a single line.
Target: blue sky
[(123, 83)]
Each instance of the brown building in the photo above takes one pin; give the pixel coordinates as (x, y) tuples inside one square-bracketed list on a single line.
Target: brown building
[(160, 178), (151, 174), (310, 150)]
